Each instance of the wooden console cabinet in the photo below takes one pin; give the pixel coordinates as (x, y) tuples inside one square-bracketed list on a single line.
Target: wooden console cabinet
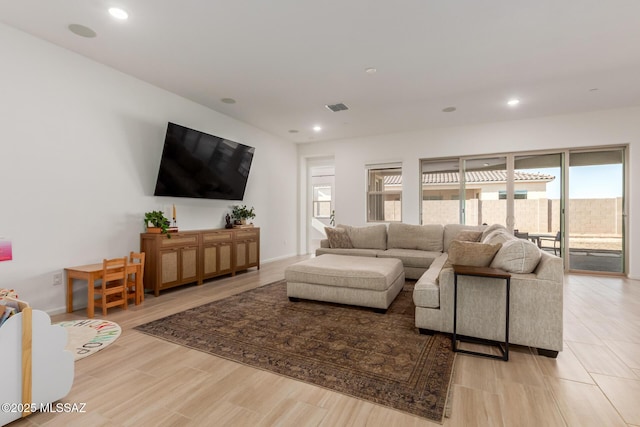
[(197, 255)]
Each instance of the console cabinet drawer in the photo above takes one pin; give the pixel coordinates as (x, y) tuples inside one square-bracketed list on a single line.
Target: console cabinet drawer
[(222, 236)]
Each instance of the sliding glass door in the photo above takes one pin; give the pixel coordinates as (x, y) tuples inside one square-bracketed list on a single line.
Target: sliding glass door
[(596, 211), (485, 189), (538, 201), (440, 191), (569, 202)]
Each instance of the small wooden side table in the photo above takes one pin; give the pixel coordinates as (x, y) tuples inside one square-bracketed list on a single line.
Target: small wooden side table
[(465, 270)]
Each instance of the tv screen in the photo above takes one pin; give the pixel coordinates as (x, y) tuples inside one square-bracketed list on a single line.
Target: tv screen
[(199, 165)]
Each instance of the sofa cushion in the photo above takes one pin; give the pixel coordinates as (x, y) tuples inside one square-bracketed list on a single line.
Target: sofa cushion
[(420, 237), (352, 252), (338, 238), (517, 256), (471, 253), (451, 232), (346, 272), (369, 237), (411, 257), (468, 236)]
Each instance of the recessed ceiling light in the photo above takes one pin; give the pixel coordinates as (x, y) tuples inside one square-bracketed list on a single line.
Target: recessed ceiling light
[(81, 30), (317, 128), (449, 109), (118, 13), (228, 100), (513, 102), (370, 70)]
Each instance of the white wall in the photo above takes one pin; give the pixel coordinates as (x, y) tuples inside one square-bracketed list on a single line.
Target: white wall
[(80, 145), (621, 126)]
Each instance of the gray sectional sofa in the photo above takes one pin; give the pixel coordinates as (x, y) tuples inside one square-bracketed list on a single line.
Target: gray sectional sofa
[(537, 277)]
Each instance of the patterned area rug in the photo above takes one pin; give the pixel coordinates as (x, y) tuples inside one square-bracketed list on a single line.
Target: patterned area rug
[(376, 357)]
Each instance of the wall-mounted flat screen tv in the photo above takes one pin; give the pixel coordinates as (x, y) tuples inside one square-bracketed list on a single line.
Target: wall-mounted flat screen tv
[(199, 165)]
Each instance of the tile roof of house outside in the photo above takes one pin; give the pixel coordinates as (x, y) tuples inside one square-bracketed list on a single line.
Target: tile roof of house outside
[(471, 177)]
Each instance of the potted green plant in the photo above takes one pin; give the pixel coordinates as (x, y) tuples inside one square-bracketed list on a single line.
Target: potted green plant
[(156, 222), (240, 213)]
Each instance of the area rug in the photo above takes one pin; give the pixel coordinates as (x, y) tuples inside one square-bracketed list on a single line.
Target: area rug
[(88, 336), (377, 357)]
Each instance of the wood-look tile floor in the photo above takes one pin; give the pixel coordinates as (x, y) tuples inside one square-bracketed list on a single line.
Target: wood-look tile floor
[(144, 381)]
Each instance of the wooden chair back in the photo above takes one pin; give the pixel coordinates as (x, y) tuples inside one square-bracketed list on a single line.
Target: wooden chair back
[(113, 286), (132, 292)]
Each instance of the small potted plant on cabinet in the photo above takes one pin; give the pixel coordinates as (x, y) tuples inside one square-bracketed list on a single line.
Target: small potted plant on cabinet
[(240, 214), (156, 222)]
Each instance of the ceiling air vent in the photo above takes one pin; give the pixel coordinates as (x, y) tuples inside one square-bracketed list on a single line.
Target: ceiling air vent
[(337, 107)]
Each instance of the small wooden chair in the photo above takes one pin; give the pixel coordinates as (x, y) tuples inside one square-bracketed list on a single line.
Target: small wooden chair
[(113, 287), (132, 291)]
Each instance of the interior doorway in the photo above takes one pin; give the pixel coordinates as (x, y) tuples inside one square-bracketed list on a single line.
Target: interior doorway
[(321, 201)]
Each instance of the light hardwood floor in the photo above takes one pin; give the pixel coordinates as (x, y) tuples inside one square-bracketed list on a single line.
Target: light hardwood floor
[(144, 381)]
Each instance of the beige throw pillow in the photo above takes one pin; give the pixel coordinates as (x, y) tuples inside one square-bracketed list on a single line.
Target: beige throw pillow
[(517, 256), (490, 229), (471, 253), (498, 236), (338, 238)]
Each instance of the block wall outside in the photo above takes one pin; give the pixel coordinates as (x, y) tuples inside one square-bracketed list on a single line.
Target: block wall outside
[(588, 216), (393, 210), (440, 211)]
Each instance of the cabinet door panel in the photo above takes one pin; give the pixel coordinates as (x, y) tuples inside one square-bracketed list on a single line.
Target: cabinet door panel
[(241, 254), (169, 267), (253, 252), (189, 263), (225, 257), (210, 260)]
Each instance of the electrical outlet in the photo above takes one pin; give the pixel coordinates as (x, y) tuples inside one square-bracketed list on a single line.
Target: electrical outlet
[(57, 279)]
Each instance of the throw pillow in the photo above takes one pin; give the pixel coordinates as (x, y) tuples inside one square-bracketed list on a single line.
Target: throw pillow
[(517, 256), (498, 236), (338, 238), (473, 254), (490, 229), (468, 236)]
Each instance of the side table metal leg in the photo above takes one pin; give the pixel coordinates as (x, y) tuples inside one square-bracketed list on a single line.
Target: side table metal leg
[(506, 328), (455, 311)]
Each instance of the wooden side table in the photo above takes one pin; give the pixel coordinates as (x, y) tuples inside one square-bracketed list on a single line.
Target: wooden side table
[(465, 270)]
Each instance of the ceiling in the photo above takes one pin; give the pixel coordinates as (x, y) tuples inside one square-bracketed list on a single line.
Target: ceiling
[(284, 60)]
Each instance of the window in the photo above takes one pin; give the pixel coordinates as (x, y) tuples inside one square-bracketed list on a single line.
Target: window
[(321, 201), (384, 194), (518, 194)]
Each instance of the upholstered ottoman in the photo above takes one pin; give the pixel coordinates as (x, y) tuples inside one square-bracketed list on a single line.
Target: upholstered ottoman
[(353, 280)]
